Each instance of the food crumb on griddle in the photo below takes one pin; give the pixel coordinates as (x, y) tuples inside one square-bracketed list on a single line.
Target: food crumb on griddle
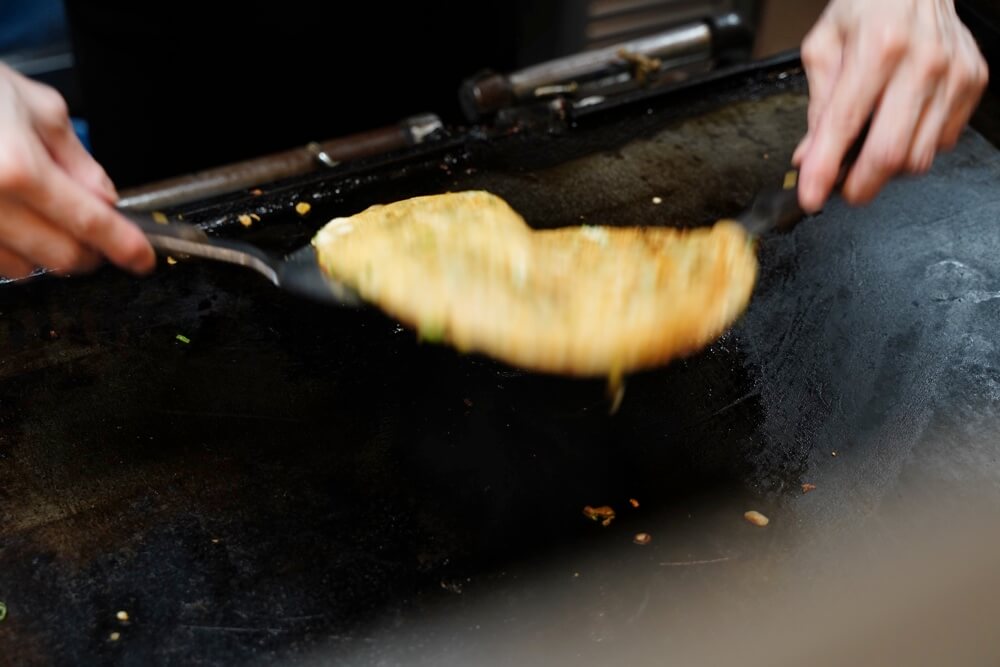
[(452, 586), (115, 636), (182, 338), (256, 192), (171, 260), (159, 218), (53, 335), (122, 616), (791, 180), (756, 518), (807, 487), (633, 502), (3, 611), (604, 514), (467, 402), (642, 539), (255, 217), (245, 220), (833, 453), (302, 208), (657, 200)]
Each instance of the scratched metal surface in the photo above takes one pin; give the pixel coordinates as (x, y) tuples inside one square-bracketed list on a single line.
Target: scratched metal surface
[(304, 484)]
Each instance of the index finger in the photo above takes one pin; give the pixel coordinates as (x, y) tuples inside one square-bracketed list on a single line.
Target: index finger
[(89, 219), (822, 52), (869, 63)]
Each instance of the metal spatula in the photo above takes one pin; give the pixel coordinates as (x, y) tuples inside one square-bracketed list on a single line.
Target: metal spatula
[(778, 208), (298, 272)]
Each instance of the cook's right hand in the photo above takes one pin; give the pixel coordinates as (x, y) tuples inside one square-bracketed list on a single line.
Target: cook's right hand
[(56, 202), (910, 64)]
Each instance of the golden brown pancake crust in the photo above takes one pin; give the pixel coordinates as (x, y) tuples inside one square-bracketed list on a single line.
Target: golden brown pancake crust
[(466, 269)]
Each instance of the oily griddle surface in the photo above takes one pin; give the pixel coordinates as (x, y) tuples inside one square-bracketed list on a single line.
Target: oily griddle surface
[(299, 481)]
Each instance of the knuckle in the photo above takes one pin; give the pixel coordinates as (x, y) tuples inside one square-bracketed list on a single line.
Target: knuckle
[(981, 74), (77, 255), (817, 48), (932, 64), (53, 107), (16, 168), (89, 224), (891, 42), (963, 77), (67, 256), (811, 52)]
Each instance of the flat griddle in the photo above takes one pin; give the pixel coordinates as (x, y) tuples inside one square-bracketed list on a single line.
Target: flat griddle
[(297, 483)]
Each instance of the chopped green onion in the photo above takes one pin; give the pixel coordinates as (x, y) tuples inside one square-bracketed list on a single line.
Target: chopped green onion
[(430, 332), (3, 611), (182, 338)]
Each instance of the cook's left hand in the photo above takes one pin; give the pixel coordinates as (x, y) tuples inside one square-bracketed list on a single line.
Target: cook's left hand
[(912, 64)]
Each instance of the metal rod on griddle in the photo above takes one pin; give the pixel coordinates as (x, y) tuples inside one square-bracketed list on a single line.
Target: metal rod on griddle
[(270, 168), (491, 92)]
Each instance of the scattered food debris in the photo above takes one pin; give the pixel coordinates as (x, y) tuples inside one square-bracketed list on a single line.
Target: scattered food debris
[(633, 502), (3, 611), (756, 518), (791, 180), (171, 260), (245, 220), (256, 192), (215, 540), (657, 200), (604, 514), (122, 616), (833, 453), (452, 586), (184, 339), (302, 208), (53, 335), (576, 575), (807, 487), (642, 539), (766, 156), (159, 217), (255, 217), (467, 402), (115, 636)]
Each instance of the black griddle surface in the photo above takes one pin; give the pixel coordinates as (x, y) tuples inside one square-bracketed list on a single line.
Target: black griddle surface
[(302, 483)]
